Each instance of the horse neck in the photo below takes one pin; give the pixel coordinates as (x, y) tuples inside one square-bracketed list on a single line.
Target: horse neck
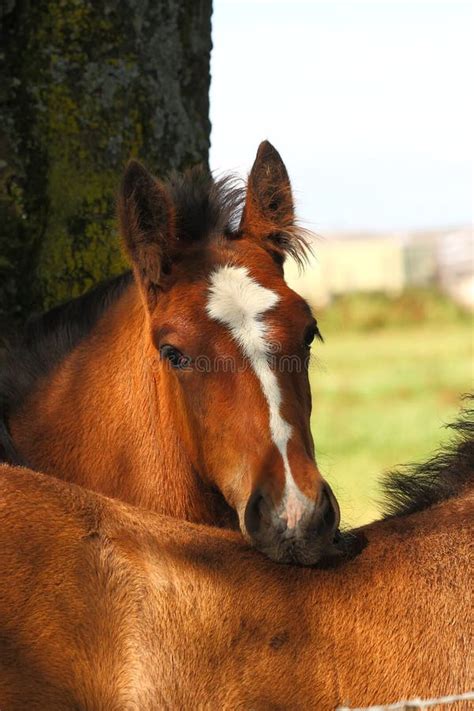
[(99, 421)]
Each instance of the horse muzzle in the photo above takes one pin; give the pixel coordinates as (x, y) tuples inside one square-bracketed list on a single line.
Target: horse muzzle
[(296, 532)]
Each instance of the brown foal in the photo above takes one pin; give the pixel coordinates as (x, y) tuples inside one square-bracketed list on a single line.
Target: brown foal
[(106, 608), (183, 387)]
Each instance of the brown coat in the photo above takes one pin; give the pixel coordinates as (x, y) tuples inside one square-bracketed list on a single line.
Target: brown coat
[(105, 607)]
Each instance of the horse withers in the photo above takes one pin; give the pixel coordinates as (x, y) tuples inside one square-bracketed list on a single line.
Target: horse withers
[(183, 387)]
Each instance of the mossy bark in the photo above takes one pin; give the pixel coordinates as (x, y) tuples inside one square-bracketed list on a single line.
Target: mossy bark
[(85, 86)]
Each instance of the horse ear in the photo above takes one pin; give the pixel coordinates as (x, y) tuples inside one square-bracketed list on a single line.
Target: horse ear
[(268, 211), (146, 217)]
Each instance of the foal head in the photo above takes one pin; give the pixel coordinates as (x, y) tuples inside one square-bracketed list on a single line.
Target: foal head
[(232, 342)]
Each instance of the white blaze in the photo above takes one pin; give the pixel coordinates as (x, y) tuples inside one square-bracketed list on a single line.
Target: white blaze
[(239, 302)]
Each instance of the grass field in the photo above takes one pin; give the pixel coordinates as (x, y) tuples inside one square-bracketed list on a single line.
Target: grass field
[(383, 388)]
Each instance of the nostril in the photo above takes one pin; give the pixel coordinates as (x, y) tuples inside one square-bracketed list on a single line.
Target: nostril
[(331, 515), (252, 516), (327, 512)]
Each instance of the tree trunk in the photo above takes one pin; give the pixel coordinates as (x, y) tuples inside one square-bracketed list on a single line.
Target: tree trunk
[(86, 85)]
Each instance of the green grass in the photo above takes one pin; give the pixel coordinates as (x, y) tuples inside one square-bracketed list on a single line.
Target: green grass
[(381, 396)]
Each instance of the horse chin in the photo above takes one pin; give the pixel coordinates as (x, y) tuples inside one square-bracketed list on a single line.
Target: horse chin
[(296, 550)]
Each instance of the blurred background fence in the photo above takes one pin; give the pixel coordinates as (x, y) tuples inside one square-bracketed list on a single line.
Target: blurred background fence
[(389, 264)]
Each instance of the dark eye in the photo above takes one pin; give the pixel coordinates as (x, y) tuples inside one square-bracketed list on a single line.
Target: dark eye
[(309, 336), (311, 333), (175, 358)]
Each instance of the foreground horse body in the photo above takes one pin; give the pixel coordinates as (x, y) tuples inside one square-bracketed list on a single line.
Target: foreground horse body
[(104, 607), (183, 388)]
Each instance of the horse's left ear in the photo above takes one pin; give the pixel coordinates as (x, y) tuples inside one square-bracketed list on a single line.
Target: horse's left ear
[(268, 214)]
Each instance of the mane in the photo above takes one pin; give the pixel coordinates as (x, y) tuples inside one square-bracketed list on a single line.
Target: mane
[(447, 474), (205, 206), (210, 207), (45, 342)]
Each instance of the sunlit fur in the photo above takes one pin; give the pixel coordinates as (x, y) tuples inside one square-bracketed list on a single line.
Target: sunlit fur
[(87, 395), (103, 606)]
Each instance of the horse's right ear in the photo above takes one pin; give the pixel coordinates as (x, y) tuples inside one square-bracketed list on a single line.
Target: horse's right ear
[(147, 225)]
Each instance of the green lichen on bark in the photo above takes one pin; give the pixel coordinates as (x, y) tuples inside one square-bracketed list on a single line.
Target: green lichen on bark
[(88, 85)]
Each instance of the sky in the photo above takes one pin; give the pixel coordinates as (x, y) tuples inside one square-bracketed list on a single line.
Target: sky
[(369, 103)]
